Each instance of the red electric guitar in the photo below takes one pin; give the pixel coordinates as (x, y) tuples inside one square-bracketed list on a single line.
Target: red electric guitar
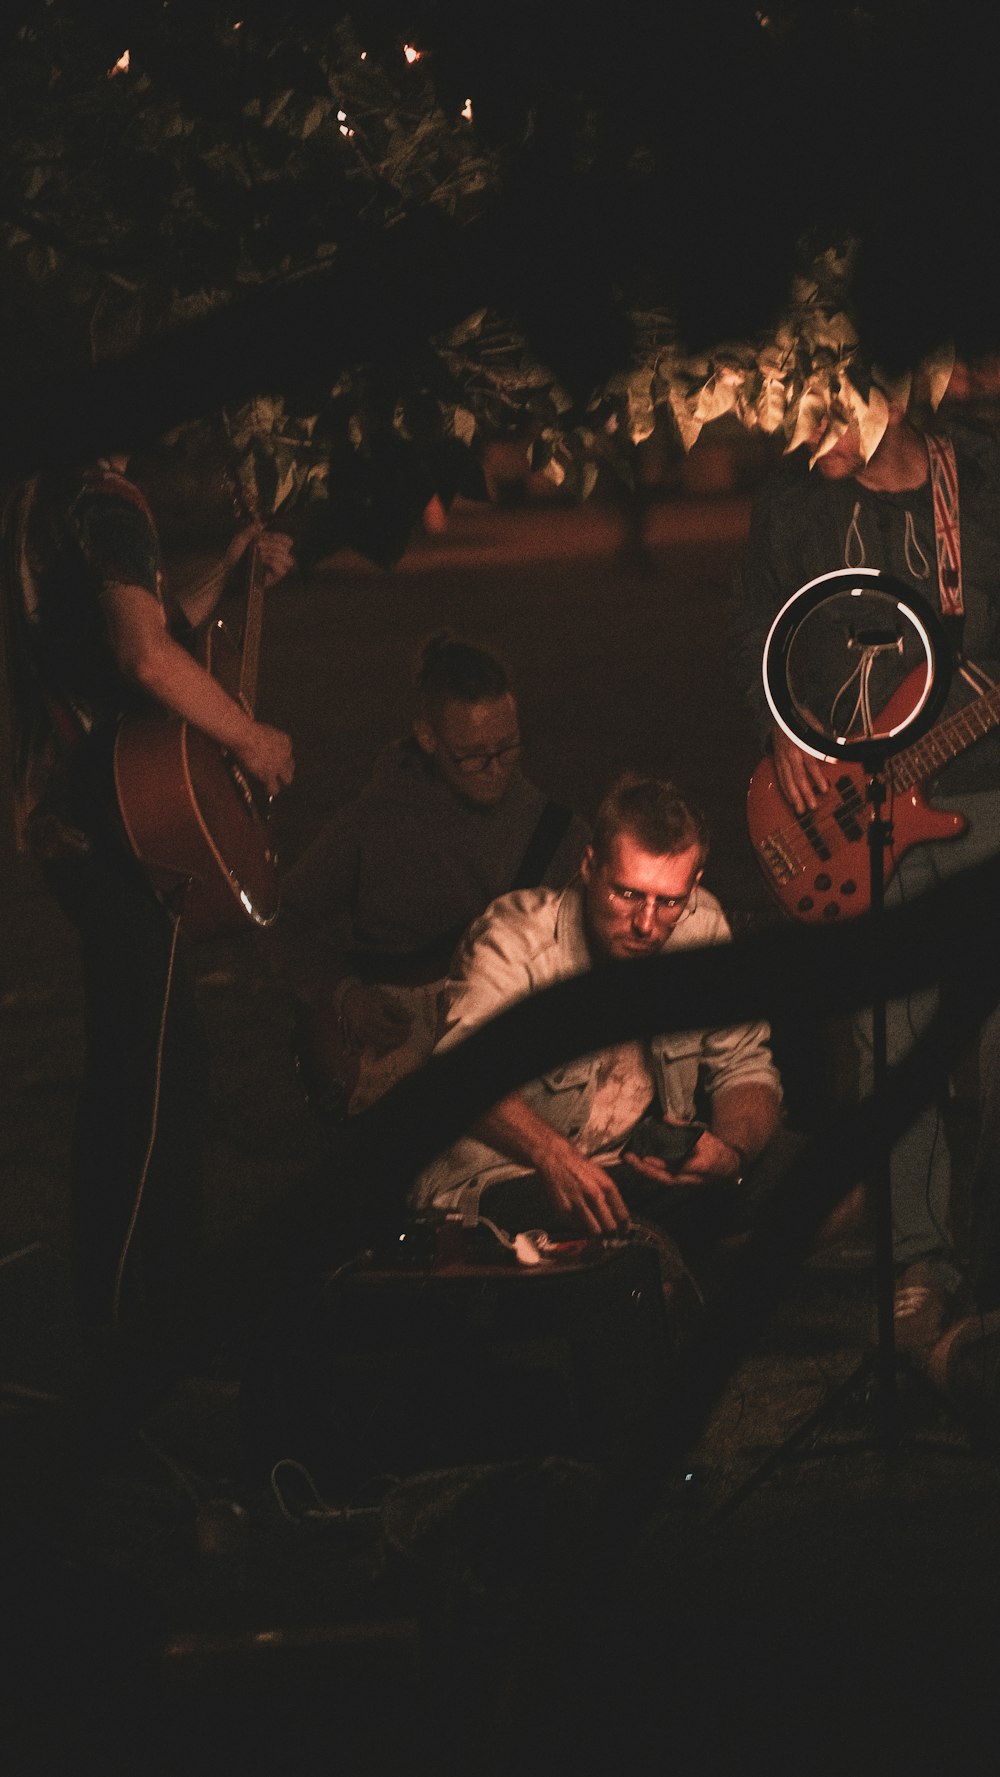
[(817, 863), (193, 818)]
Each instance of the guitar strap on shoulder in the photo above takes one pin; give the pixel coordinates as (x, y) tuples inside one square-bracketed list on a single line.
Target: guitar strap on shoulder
[(550, 829), (944, 494)]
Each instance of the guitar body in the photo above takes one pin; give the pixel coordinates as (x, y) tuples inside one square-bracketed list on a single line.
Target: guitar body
[(817, 864), (340, 1081), (194, 822)]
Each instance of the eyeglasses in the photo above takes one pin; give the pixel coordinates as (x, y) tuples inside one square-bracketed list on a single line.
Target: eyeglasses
[(634, 899), (470, 763)]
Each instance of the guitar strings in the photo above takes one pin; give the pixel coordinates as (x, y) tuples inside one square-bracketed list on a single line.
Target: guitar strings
[(823, 815)]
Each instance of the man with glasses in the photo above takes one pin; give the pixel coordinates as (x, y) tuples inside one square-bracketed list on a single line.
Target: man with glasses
[(373, 910), (583, 1147)]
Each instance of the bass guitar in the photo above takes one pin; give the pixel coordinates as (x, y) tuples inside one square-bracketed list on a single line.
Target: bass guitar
[(196, 822), (817, 863)]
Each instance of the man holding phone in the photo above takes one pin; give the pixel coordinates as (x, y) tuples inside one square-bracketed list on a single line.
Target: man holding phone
[(618, 1133)]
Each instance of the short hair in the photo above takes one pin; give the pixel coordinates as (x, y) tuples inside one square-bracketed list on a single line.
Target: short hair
[(654, 813), (450, 669)]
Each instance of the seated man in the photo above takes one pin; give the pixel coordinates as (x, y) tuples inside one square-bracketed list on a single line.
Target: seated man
[(373, 910), (554, 1154)]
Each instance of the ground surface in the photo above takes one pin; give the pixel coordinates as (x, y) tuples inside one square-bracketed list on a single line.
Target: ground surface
[(840, 1619)]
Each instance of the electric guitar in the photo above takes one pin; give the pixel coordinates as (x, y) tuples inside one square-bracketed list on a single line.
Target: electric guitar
[(193, 818), (817, 863)]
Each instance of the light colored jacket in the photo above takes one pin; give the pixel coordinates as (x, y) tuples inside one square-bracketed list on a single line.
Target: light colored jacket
[(529, 940)]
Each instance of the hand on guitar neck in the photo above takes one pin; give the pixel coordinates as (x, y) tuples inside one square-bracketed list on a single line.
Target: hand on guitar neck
[(253, 552), (263, 557), (273, 553)]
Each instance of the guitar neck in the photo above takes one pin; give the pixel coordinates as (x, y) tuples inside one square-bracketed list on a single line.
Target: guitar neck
[(253, 629), (946, 740)]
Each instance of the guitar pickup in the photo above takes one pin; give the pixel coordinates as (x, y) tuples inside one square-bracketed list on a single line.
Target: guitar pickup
[(851, 804), (814, 836)]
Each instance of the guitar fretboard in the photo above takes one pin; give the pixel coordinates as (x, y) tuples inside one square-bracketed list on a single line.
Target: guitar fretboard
[(253, 628), (946, 740)]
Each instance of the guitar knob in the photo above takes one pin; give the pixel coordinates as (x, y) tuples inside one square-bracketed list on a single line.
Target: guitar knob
[(848, 887), (806, 904), (831, 910), (823, 881)]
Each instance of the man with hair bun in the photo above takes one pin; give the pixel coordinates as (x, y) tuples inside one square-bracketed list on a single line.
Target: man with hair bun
[(374, 908), (667, 1128)]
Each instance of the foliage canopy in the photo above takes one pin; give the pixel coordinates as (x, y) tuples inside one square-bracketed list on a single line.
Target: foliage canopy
[(372, 237)]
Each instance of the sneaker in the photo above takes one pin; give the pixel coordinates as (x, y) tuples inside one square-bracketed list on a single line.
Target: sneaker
[(921, 1307), (965, 1366)]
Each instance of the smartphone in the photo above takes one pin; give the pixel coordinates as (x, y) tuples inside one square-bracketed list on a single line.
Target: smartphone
[(669, 1142)]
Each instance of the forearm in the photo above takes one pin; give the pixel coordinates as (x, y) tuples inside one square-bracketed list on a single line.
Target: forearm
[(151, 659), (578, 1188), (514, 1129), (746, 1119), (201, 583), (199, 586), (173, 678)]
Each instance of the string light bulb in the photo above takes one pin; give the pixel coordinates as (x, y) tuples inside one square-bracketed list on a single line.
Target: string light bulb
[(411, 54), (466, 111), (121, 66)]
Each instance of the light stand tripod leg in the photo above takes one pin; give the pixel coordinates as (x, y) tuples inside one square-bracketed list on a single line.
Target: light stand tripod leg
[(876, 1378), (879, 1177)]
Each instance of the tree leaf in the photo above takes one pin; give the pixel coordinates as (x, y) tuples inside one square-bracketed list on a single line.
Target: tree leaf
[(463, 425), (809, 413), (872, 415), (771, 403), (718, 396), (934, 373), (276, 106), (317, 113), (687, 426)]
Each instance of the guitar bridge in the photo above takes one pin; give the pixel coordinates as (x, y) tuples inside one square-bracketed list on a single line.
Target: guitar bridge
[(782, 864), (250, 797)]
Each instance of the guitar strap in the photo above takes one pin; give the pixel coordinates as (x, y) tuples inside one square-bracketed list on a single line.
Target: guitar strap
[(944, 495), (431, 962), (550, 830)]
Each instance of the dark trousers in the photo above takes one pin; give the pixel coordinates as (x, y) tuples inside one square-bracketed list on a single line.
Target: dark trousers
[(985, 1183), (136, 1170)]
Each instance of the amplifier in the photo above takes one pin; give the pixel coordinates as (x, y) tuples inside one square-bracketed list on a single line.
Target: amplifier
[(398, 1368)]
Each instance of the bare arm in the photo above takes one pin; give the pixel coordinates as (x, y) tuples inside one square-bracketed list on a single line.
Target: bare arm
[(275, 559), (149, 656), (578, 1188), (744, 1120)]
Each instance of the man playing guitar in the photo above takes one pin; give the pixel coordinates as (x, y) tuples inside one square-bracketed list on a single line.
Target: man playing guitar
[(376, 905), (95, 636), (925, 510)]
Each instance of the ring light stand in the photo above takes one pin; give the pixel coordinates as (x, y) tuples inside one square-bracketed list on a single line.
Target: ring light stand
[(871, 748)]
